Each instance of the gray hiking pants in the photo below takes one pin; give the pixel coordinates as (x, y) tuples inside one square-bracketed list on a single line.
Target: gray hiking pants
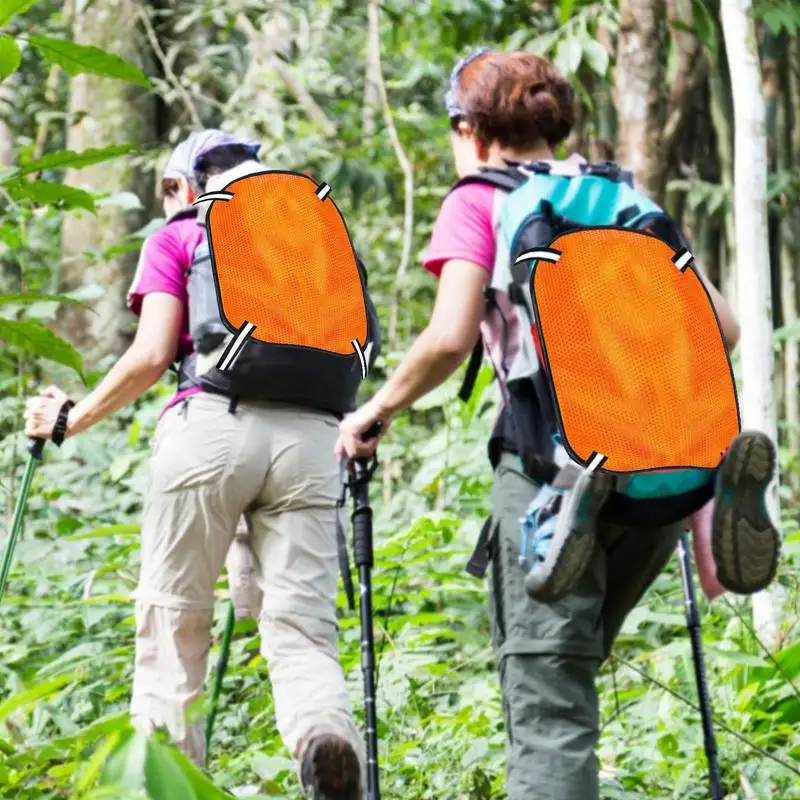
[(548, 656)]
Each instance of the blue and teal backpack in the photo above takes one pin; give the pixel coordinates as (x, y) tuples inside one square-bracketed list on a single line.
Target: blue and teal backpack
[(540, 205)]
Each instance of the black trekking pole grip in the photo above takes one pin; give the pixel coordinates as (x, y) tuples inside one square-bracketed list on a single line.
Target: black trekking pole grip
[(35, 447), (362, 513)]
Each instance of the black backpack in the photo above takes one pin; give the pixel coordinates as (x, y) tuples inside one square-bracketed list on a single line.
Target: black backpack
[(264, 369)]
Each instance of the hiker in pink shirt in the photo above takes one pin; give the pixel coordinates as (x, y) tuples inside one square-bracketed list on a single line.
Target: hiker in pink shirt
[(505, 109), (464, 230), (217, 460)]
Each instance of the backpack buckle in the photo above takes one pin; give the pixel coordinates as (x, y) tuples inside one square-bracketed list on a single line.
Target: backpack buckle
[(532, 167), (604, 169)]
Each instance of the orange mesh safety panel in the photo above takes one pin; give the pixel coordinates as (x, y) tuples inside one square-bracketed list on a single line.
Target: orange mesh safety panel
[(634, 352), (284, 262)]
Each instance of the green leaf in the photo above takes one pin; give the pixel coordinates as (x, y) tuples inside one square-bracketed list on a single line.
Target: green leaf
[(34, 338), (125, 767), (596, 56), (47, 193), (568, 55), (120, 529), (542, 45), (68, 158), (12, 8), (165, 779), (9, 56), (79, 58), (94, 767), (705, 25), (202, 786), (30, 696), (565, 10), (29, 298)]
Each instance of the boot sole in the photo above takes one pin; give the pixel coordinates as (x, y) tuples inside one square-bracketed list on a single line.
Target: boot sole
[(334, 771), (745, 543), (574, 541)]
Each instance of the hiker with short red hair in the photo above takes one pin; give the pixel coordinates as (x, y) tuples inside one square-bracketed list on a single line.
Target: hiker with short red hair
[(509, 112)]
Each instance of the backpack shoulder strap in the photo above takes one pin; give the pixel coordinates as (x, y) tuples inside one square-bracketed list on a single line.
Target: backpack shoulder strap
[(506, 179), (185, 213)]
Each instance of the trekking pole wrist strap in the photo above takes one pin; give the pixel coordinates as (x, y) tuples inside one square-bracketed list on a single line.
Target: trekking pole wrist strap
[(60, 428)]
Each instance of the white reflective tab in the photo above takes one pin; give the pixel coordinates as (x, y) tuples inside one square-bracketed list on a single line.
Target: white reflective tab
[(596, 460), (542, 254), (363, 356), (213, 196), (682, 259), (232, 351)]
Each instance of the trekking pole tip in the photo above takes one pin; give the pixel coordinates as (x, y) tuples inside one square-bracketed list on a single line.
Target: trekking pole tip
[(36, 447)]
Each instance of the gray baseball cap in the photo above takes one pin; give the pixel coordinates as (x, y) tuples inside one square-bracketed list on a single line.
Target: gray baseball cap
[(184, 157)]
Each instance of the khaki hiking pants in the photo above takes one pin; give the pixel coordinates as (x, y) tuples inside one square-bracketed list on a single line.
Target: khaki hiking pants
[(548, 656), (275, 465)]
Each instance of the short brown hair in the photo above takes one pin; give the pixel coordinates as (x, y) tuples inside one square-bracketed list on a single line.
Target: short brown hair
[(515, 99)]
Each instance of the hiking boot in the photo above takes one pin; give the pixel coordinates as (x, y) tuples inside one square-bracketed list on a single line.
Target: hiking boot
[(745, 543), (330, 770), (563, 525)]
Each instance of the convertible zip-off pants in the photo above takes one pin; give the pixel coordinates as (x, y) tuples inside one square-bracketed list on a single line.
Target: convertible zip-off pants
[(548, 656), (275, 464)]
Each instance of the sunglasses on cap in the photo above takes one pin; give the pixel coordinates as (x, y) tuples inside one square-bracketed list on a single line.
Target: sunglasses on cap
[(451, 101)]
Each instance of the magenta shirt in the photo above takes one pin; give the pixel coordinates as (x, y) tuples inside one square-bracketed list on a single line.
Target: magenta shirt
[(164, 259), (463, 229)]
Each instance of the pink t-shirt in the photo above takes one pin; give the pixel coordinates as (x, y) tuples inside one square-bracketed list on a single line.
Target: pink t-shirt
[(164, 259), (463, 229)]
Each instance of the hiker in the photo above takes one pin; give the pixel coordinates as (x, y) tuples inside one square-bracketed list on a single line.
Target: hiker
[(515, 108), (213, 461)]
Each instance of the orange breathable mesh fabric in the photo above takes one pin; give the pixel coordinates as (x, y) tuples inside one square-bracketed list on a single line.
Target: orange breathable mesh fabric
[(634, 352), (284, 262)]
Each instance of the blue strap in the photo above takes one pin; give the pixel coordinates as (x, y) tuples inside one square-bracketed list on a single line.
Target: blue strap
[(534, 526)]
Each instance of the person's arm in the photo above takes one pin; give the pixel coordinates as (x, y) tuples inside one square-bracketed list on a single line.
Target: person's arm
[(143, 363), (446, 341), (727, 320), (435, 355)]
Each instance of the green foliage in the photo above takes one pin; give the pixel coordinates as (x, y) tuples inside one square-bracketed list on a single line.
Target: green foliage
[(12, 8), (34, 339), (779, 15), (10, 56), (66, 649), (75, 58), (78, 58), (28, 337)]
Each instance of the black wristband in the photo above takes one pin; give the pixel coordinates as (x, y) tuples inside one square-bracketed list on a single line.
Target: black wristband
[(60, 428)]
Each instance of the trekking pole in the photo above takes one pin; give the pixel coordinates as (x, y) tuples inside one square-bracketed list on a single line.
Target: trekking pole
[(363, 554), (695, 634), (222, 665), (35, 448)]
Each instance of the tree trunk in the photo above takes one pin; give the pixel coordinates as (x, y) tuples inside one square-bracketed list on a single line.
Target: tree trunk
[(757, 398), (640, 92), (7, 97), (689, 71), (372, 81), (788, 157), (103, 112), (605, 116), (721, 116)]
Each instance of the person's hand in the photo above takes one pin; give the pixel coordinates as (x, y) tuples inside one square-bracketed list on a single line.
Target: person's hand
[(355, 425), (41, 413)]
